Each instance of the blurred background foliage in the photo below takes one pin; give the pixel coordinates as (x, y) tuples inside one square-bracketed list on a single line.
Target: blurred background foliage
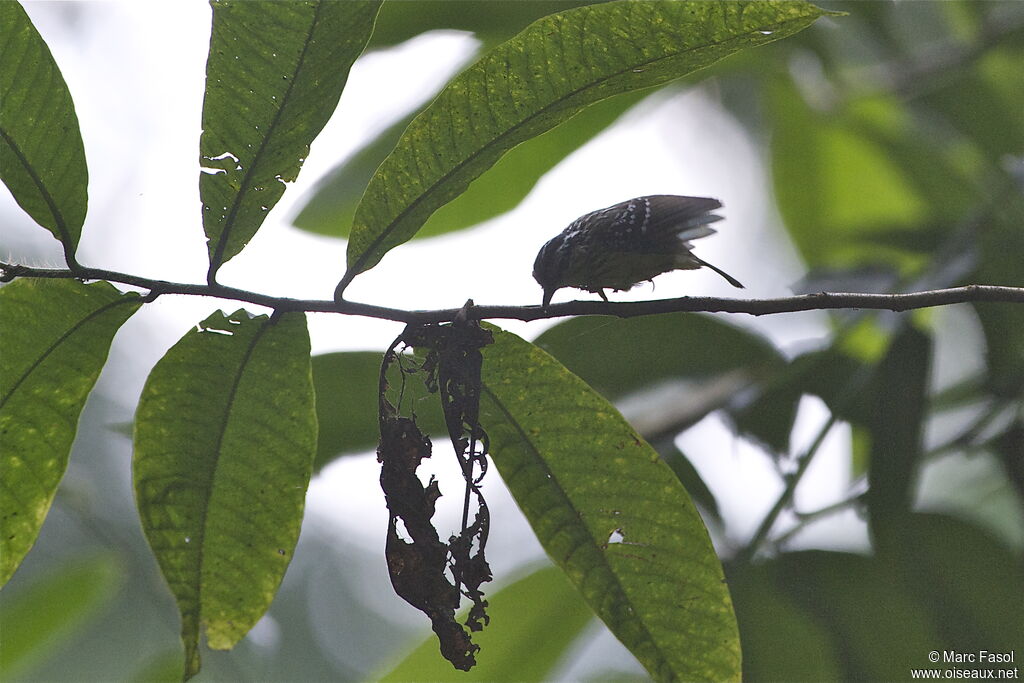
[(895, 140)]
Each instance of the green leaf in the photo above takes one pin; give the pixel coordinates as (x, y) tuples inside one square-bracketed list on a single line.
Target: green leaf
[(331, 210), (610, 513), (42, 159), (489, 21), (55, 336), (545, 75), (985, 101), (1002, 242), (824, 166), (781, 642), (897, 427), (513, 176), (879, 630), (346, 402), (682, 346), (332, 206), (690, 478), (225, 436), (274, 76), (42, 616), (970, 582), (533, 622)]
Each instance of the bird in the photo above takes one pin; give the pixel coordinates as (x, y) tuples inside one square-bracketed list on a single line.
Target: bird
[(628, 243)]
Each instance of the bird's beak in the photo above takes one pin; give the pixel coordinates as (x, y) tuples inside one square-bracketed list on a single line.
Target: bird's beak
[(548, 293)]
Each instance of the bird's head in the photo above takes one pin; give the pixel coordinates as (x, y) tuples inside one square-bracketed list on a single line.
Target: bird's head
[(549, 268)]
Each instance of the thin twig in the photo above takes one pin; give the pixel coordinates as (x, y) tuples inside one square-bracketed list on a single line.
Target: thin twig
[(709, 304), (806, 518), (803, 462)]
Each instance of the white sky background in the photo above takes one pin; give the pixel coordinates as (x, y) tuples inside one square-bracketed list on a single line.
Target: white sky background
[(136, 72)]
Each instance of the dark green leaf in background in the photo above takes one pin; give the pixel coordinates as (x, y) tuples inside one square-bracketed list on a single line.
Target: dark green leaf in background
[(331, 210), (225, 437), (970, 582), (835, 186), (897, 428), (940, 584), (42, 159), (55, 336), (984, 102), (781, 642), (878, 630), (545, 75), (1002, 244), (534, 622), (274, 76), (652, 349), (346, 402), (610, 513), (690, 478)]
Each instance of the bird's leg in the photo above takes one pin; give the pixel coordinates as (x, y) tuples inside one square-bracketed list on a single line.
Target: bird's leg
[(603, 295)]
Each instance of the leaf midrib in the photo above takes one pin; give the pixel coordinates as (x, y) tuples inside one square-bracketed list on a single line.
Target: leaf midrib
[(248, 177), (222, 431), (58, 215), (52, 348)]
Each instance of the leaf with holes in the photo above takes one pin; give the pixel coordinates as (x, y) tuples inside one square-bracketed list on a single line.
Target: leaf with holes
[(274, 76), (55, 336), (543, 76), (225, 436), (610, 513), (42, 159)]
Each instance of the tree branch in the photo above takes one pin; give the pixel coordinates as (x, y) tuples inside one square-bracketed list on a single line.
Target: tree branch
[(708, 304)]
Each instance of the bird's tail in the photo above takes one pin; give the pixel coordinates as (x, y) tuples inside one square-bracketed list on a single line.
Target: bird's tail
[(731, 280)]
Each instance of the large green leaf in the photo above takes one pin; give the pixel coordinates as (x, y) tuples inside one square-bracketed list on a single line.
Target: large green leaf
[(42, 159), (331, 210), (274, 76), (610, 513), (54, 336), (532, 624), (225, 436), (545, 75), (53, 609)]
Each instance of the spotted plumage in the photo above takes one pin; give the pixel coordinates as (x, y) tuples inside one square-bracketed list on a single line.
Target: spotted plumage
[(626, 244)]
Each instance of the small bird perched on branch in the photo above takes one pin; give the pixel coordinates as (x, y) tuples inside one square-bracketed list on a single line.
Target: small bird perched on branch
[(631, 242)]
